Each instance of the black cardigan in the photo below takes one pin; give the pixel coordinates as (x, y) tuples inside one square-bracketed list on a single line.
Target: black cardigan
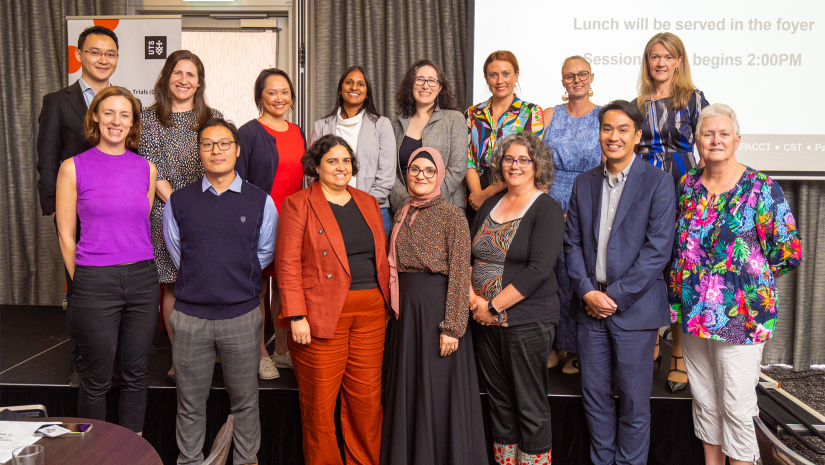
[(531, 258), (258, 161)]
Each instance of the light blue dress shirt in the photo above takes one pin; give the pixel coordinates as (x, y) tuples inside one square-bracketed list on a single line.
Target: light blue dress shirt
[(266, 239), (88, 92)]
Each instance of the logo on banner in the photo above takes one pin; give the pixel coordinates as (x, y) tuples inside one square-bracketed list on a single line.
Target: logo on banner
[(155, 48)]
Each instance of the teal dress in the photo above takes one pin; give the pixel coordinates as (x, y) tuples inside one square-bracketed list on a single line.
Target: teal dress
[(576, 149)]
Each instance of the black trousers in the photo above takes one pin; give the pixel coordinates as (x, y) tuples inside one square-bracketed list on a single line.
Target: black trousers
[(514, 363), (114, 310)]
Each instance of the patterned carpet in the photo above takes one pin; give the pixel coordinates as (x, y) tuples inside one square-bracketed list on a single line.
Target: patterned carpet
[(809, 387)]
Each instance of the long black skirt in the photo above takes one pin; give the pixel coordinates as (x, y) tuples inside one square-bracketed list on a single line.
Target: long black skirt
[(432, 413)]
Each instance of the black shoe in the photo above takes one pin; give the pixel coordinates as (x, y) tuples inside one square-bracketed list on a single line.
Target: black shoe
[(673, 385), (657, 363), (74, 375), (170, 378), (74, 379)]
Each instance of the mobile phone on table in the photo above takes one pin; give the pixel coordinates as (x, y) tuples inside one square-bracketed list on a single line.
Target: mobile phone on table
[(65, 429)]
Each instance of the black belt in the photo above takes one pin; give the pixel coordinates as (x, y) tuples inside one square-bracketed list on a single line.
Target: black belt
[(602, 287)]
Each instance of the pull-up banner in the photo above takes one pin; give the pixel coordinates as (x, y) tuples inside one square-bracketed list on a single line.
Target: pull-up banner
[(144, 42)]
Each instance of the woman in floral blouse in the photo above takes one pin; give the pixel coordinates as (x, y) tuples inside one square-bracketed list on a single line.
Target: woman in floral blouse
[(734, 236)]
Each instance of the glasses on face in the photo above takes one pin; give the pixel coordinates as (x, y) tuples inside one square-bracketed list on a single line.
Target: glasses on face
[(428, 172), (568, 78), (523, 162), (98, 54), (420, 81), (222, 144)]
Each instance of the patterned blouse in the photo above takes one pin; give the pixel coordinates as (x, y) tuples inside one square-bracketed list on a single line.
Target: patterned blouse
[(668, 135), (438, 241), (520, 116), (490, 250), (728, 252)]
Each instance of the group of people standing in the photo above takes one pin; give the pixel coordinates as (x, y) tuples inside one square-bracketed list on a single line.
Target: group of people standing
[(556, 227)]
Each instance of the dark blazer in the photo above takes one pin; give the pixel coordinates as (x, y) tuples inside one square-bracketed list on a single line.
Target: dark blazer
[(59, 138), (311, 260), (530, 259), (258, 161), (638, 250)]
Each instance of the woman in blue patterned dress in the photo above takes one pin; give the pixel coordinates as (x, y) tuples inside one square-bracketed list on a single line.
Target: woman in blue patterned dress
[(671, 105), (572, 133)]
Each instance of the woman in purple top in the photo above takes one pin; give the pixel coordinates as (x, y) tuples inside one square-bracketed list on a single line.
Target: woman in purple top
[(116, 291)]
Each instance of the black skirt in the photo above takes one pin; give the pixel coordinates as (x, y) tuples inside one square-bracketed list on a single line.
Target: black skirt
[(432, 413)]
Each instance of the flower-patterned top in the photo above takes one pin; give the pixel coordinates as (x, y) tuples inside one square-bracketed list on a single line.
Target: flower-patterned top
[(728, 251), (521, 116)]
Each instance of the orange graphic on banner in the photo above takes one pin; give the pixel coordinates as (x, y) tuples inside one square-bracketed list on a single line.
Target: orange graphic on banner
[(110, 24), (74, 64)]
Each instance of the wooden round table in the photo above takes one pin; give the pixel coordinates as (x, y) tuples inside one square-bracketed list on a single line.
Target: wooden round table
[(105, 443)]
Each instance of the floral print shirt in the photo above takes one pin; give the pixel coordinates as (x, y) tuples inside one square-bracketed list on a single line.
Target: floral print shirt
[(484, 134), (728, 251)]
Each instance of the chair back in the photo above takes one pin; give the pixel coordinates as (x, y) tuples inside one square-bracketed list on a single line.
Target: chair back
[(220, 448), (28, 411), (772, 450)]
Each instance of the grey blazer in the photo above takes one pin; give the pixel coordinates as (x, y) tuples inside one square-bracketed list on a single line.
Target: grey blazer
[(377, 154), (446, 132)]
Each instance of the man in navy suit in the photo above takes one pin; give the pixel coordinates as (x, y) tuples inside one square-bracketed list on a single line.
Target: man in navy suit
[(618, 241), (61, 137)]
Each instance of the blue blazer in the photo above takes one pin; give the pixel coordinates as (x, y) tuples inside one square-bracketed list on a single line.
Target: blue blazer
[(639, 248)]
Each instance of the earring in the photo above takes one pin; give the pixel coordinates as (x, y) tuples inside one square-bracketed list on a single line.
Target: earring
[(677, 69), (565, 97), (590, 93)]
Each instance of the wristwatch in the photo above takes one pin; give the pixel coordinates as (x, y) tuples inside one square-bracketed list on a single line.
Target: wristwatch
[(297, 318), (492, 308)]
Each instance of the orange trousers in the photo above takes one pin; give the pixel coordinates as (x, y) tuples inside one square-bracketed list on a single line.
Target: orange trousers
[(350, 362)]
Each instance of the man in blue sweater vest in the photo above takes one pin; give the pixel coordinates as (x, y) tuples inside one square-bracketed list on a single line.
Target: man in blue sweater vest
[(220, 233)]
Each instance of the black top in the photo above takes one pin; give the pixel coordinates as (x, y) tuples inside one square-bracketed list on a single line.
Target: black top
[(408, 146), (530, 259), (358, 241)]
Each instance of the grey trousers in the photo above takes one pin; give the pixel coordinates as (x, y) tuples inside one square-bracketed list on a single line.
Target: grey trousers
[(197, 341)]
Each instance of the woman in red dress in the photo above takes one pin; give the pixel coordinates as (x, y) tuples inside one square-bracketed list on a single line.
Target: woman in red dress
[(271, 150)]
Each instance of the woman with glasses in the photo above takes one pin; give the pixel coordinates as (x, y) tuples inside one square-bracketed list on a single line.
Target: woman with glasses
[(170, 141), (331, 261), (369, 134), (572, 134), (432, 412), (271, 151), (671, 105), (429, 117), (501, 115), (517, 238)]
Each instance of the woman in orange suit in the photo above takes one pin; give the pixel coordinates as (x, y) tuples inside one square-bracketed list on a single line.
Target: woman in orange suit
[(333, 274)]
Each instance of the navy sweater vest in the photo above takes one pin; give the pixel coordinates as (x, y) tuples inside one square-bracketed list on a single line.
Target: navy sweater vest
[(220, 275)]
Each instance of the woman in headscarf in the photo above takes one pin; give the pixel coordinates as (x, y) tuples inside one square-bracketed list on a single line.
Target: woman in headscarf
[(432, 413)]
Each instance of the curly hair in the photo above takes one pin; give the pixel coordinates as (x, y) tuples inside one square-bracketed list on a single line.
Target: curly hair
[(541, 155), (406, 102), (311, 159)]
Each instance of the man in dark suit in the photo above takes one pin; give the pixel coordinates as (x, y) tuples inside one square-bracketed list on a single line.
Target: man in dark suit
[(61, 125), (618, 241)]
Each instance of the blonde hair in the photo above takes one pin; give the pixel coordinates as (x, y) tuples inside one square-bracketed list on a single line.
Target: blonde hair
[(681, 87), (576, 57)]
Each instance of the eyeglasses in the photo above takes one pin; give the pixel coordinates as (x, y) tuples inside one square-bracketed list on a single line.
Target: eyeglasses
[(432, 82), (222, 144), (428, 172), (98, 54), (523, 162), (572, 77)]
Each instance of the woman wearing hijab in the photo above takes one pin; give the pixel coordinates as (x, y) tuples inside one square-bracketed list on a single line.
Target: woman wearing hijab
[(432, 413)]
